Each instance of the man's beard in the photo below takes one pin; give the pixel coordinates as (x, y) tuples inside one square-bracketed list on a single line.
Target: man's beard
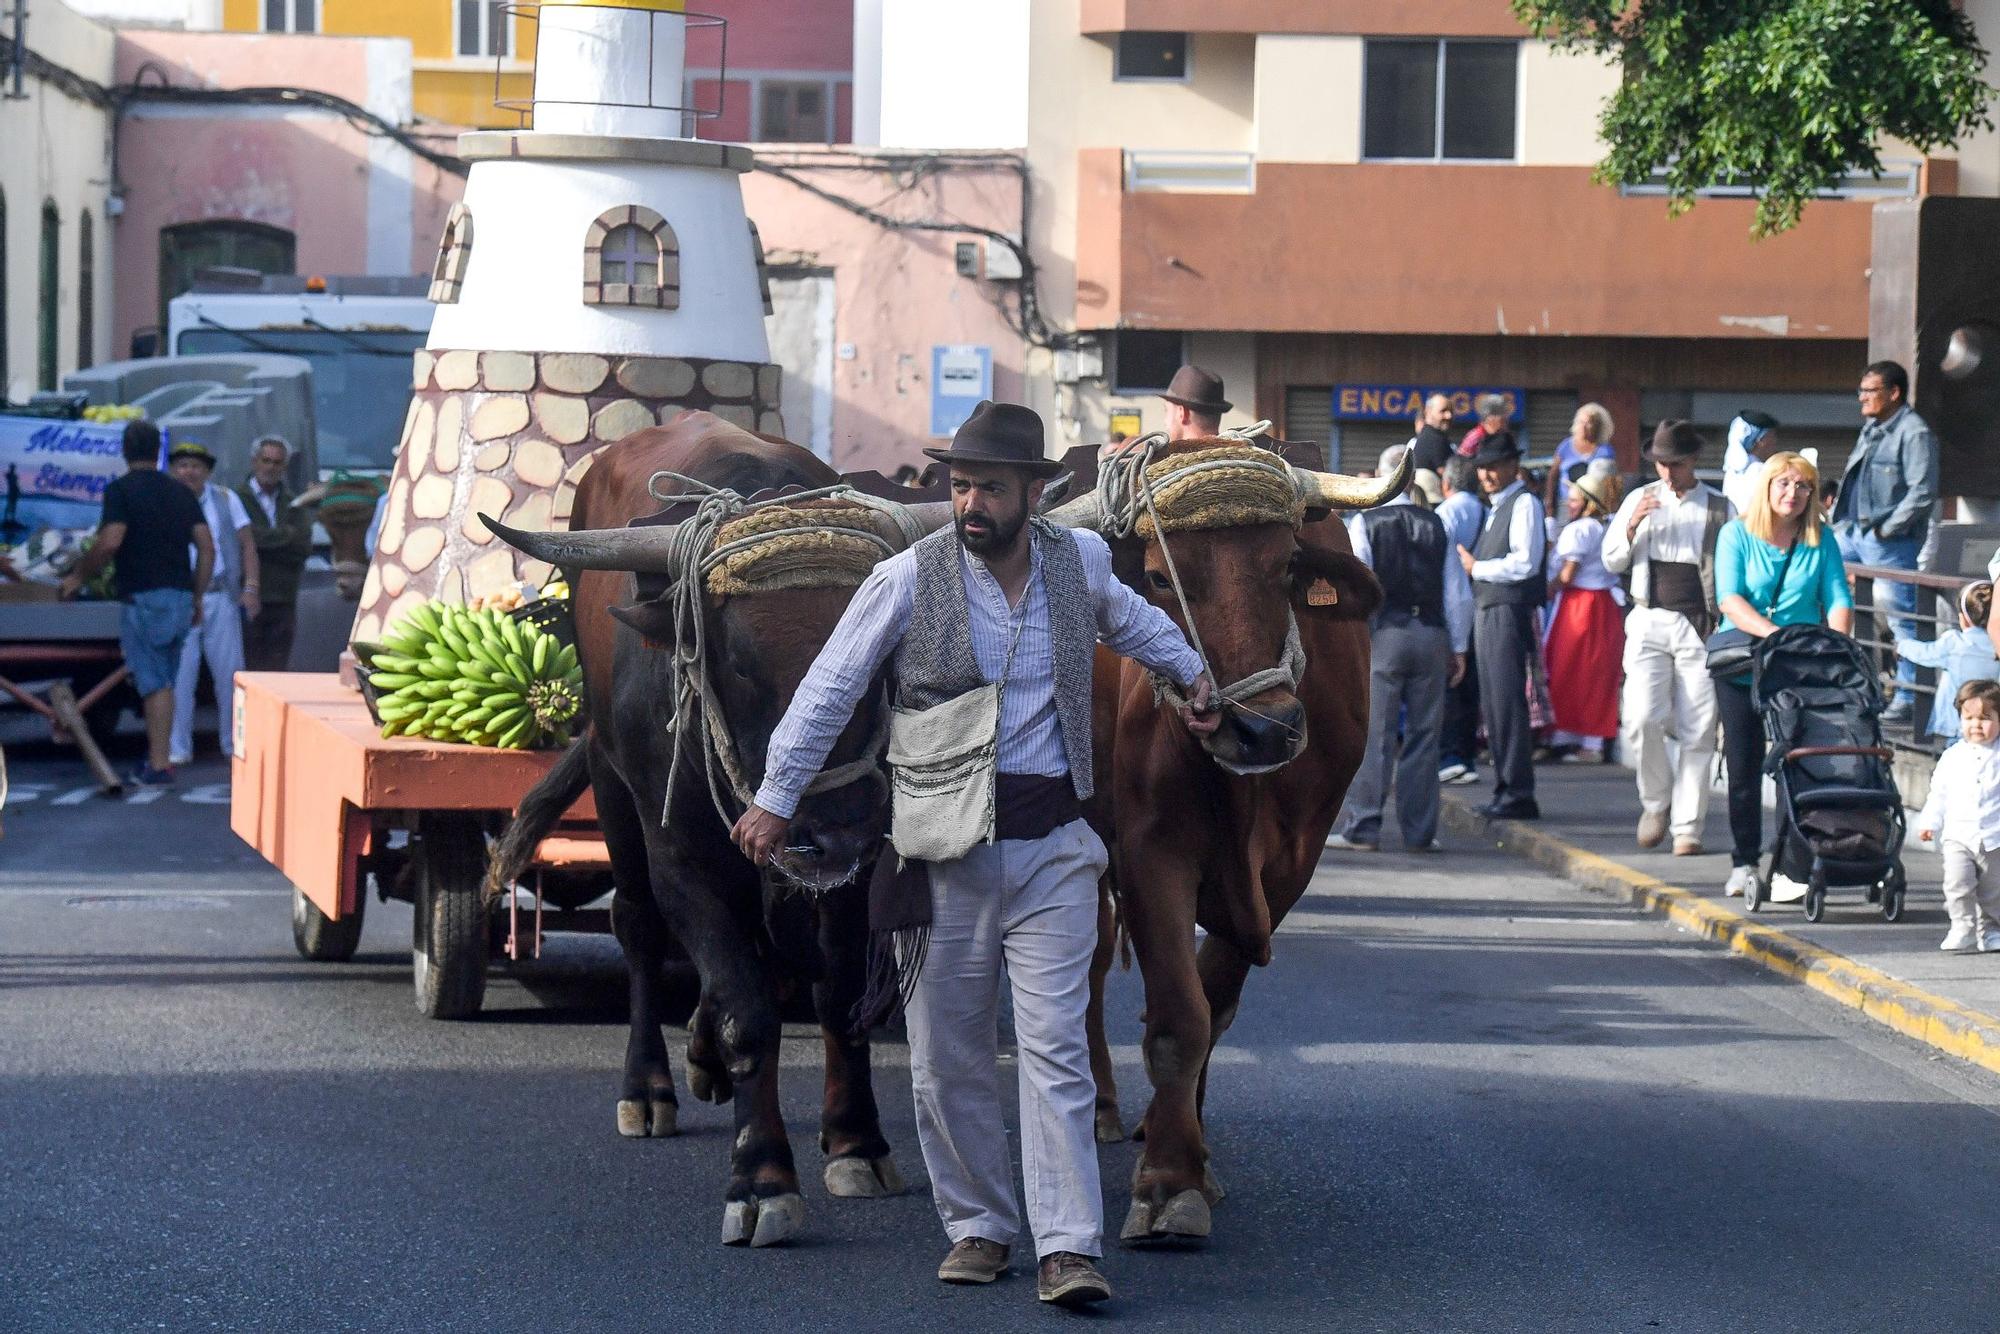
[(997, 535)]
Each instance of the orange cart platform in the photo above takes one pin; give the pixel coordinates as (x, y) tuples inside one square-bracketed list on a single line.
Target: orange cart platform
[(325, 798)]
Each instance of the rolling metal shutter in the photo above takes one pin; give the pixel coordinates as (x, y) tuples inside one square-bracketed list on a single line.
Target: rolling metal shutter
[(1362, 443), (1550, 411), (1308, 414)]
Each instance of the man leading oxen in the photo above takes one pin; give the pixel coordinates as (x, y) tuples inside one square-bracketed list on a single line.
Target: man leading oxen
[(991, 628), (692, 638)]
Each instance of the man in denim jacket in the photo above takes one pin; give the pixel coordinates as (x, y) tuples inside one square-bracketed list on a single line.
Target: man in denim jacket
[(1886, 499)]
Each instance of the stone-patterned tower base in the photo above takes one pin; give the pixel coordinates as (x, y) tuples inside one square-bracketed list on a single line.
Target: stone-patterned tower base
[(510, 434)]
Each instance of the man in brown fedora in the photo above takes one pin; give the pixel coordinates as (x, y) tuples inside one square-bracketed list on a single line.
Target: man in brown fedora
[(988, 629), (1195, 404)]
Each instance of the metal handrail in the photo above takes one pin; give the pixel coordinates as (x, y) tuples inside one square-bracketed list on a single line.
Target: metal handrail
[(1873, 633)]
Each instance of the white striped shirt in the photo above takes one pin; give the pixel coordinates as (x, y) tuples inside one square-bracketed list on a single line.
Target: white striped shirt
[(1030, 737)]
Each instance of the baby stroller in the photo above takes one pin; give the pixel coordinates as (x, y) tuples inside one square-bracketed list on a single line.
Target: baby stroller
[(1840, 817)]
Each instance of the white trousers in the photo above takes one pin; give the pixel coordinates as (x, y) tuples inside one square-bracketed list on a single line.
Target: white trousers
[(219, 638), (1669, 696), (1971, 885), (1030, 905)]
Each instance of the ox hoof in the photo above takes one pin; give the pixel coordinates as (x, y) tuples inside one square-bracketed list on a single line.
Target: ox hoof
[(1211, 1189), (762, 1222), (1185, 1217), (632, 1118), (863, 1179), (1110, 1130), (663, 1120), (709, 1085)]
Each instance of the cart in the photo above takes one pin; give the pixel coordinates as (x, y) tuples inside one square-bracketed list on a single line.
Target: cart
[(62, 661), (337, 808)]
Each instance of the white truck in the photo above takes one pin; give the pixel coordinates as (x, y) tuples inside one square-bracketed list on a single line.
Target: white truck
[(358, 333)]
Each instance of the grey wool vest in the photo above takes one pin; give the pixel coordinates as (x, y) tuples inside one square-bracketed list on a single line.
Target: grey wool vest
[(936, 663), (1492, 544)]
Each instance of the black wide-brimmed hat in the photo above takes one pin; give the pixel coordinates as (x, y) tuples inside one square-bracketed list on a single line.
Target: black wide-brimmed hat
[(1674, 441), (1198, 390), (1004, 433), (188, 449), (1496, 448)]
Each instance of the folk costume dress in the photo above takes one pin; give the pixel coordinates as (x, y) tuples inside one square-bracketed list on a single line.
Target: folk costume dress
[(1585, 640)]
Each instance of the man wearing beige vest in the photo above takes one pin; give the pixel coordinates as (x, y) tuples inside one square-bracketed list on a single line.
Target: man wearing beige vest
[(1665, 535), (1000, 875)]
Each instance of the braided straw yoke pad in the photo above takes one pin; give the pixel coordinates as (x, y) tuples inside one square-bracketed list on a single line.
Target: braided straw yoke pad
[(1225, 487), (838, 548)]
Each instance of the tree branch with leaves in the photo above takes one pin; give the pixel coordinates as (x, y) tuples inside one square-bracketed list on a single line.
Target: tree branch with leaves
[(1783, 96)]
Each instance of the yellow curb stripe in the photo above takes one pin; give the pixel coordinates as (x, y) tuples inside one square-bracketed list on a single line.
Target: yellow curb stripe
[(1938, 1022)]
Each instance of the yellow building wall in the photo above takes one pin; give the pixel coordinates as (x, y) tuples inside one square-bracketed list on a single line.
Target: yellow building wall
[(445, 86)]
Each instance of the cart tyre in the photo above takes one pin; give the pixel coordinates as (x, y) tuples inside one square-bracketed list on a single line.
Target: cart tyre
[(1892, 903), (449, 945), (320, 938), (1753, 893)]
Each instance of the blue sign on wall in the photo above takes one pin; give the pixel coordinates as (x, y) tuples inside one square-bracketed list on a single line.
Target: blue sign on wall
[(1402, 402), (60, 468), (961, 375)]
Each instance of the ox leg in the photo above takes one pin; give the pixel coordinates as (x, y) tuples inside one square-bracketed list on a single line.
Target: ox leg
[(859, 1164), (1224, 969), (1110, 1126), (762, 1204), (1167, 1198), (708, 1076), (646, 1102)]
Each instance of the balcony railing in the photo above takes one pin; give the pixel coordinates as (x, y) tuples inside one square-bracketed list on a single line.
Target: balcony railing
[(1190, 172), (1874, 627), (1900, 179)]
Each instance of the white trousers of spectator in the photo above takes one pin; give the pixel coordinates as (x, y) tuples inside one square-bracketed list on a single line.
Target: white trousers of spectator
[(219, 638), (1971, 885), (1029, 905), (1669, 696)]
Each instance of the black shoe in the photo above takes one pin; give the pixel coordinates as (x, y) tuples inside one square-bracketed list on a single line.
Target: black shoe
[(1511, 810)]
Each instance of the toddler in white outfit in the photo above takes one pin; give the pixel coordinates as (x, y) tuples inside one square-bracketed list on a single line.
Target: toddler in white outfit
[(1963, 816)]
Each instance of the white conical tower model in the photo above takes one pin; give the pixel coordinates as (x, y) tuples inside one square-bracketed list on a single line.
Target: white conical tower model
[(599, 277)]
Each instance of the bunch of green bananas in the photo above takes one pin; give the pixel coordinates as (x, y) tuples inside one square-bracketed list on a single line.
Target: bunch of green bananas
[(475, 676), (105, 413)]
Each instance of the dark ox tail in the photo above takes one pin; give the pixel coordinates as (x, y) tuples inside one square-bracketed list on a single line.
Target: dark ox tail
[(540, 809)]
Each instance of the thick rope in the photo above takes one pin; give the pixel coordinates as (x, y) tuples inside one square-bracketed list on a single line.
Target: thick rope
[(728, 546), (1225, 486)]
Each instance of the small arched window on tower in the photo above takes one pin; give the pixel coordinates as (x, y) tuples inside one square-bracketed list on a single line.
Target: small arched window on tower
[(632, 258), (763, 269), (454, 253)]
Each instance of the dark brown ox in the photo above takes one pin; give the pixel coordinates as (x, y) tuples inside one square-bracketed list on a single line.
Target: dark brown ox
[(753, 937), (1196, 845)]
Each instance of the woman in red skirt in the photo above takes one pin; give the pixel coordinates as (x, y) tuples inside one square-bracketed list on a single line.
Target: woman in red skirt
[(1585, 640)]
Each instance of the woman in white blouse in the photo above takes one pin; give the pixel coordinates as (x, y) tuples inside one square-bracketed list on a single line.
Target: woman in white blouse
[(1585, 640)]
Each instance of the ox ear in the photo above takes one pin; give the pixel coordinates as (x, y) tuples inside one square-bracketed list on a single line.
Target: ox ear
[(1333, 585), (653, 620)]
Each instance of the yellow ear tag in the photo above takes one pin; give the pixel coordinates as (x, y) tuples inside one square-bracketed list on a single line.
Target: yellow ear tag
[(1320, 593)]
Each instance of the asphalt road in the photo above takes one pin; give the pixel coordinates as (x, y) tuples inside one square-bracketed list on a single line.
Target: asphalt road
[(1464, 1097)]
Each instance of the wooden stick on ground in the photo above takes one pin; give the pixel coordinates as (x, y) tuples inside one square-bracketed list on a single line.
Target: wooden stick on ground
[(63, 700)]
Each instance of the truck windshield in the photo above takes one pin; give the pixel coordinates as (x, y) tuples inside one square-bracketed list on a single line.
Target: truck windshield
[(361, 384)]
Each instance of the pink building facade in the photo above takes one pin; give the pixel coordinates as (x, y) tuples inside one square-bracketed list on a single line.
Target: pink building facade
[(280, 188), (790, 76)]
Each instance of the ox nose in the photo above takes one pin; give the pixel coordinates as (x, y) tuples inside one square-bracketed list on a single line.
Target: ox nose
[(1268, 736)]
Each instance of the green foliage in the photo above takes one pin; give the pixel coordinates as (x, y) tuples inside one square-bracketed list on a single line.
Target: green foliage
[(1787, 96)]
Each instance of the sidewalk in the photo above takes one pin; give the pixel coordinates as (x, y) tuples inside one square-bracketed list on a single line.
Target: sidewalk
[(1589, 812)]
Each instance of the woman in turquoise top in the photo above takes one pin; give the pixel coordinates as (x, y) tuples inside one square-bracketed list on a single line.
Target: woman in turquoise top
[(1750, 556)]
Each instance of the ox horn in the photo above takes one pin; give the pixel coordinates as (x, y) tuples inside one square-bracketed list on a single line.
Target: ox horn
[(1086, 511), (650, 550), (1336, 491)]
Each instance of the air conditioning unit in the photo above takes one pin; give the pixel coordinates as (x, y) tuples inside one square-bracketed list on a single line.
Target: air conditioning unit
[(1003, 265), (1082, 362)]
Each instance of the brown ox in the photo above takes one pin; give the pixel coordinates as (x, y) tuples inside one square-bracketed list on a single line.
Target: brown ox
[(1197, 845), (753, 936)]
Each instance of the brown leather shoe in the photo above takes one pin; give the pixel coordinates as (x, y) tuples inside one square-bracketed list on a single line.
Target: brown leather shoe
[(974, 1260), (1071, 1280), (1652, 828), (1687, 847)]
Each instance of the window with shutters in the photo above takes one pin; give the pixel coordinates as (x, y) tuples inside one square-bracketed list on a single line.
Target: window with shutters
[(48, 367), (485, 28), (1143, 361), (454, 253), (1150, 56), (631, 257), (86, 291), (291, 15)]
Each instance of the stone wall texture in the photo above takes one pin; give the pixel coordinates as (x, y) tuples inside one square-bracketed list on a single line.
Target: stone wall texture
[(510, 434)]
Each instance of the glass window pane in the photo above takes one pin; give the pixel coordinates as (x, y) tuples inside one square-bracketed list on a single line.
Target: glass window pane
[(305, 16), (1151, 55), (1479, 99), (1400, 110), (274, 15), (499, 24), (1144, 360), (468, 26)]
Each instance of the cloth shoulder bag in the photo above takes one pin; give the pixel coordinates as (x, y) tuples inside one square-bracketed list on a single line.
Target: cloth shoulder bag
[(944, 764), (1730, 651)]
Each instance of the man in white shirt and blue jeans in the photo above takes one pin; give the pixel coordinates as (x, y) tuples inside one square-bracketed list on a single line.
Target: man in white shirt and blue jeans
[(1001, 596)]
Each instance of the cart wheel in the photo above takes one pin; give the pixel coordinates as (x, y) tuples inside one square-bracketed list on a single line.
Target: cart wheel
[(1754, 893), (1816, 899), (449, 941), (1892, 903), (320, 938)]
